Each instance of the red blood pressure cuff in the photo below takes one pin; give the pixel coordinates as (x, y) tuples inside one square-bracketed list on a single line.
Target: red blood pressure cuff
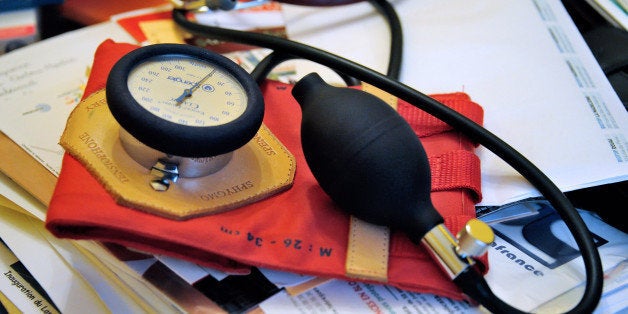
[(299, 230)]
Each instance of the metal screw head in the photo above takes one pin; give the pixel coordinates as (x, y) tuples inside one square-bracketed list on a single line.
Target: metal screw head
[(160, 185), (163, 174)]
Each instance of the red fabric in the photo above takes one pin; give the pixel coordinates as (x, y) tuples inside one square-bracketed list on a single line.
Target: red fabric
[(299, 230)]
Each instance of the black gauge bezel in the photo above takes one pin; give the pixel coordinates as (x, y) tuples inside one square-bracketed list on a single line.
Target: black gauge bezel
[(173, 138)]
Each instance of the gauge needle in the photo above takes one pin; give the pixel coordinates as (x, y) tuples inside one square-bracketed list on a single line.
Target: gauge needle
[(188, 91)]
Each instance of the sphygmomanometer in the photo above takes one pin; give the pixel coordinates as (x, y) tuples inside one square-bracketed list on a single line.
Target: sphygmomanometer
[(407, 207)]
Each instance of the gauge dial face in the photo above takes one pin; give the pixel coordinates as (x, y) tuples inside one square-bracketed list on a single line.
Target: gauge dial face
[(187, 91), (184, 100)]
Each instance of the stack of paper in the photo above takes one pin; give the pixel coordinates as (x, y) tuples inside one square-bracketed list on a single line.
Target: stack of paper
[(524, 62)]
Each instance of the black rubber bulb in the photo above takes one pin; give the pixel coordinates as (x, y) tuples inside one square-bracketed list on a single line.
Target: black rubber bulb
[(366, 157)]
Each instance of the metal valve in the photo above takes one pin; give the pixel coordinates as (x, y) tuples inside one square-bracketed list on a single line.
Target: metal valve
[(455, 254), (474, 239)]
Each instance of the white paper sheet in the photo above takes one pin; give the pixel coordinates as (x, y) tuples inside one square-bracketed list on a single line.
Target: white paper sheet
[(614, 11), (16, 194), (75, 280), (508, 57), (523, 61), (41, 83), (67, 289), (525, 276), (342, 297), (17, 286)]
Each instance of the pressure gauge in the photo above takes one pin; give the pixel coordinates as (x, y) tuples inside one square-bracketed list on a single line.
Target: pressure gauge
[(182, 109)]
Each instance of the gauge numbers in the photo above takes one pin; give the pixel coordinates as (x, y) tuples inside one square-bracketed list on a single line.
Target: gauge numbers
[(187, 91)]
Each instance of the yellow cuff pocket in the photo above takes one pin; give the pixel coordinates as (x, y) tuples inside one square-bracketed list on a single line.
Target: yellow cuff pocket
[(259, 169)]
